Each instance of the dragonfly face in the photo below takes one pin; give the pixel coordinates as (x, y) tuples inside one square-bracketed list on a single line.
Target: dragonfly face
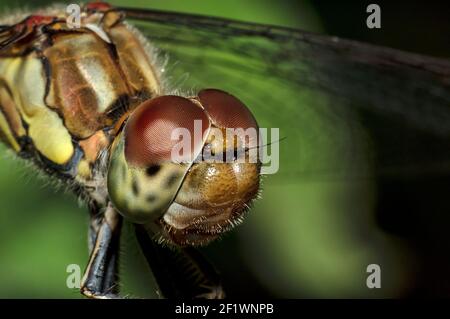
[(186, 202)]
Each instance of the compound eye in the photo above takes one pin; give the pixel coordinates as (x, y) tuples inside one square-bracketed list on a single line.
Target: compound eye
[(225, 110), (154, 128)]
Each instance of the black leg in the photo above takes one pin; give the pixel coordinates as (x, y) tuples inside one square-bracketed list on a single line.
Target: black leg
[(180, 272), (96, 218), (111, 273), (100, 278)]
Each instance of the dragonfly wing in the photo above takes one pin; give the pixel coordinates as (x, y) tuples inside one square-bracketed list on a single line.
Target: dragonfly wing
[(343, 106), (366, 139)]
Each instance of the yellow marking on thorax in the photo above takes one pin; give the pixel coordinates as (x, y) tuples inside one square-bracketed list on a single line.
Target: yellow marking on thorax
[(84, 170), (26, 79)]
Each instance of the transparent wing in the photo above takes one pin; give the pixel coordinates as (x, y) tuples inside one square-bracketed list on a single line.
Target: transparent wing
[(343, 106), (366, 152)]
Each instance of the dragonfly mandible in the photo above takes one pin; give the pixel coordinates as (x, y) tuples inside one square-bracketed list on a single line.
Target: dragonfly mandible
[(342, 105)]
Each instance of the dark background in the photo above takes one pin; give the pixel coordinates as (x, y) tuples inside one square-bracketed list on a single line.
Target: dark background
[(416, 26)]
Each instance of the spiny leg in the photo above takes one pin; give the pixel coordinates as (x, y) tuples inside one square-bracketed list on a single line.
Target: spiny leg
[(180, 272), (100, 278)]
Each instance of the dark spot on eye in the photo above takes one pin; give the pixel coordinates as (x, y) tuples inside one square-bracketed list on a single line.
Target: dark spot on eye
[(135, 188), (171, 180), (151, 198), (152, 170)]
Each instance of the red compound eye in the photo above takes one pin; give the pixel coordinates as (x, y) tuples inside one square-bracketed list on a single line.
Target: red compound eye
[(149, 131), (225, 110), (98, 6)]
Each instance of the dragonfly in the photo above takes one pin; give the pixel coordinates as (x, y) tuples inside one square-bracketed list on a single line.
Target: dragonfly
[(342, 106)]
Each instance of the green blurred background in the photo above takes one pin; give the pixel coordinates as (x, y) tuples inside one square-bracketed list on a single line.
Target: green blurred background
[(286, 248)]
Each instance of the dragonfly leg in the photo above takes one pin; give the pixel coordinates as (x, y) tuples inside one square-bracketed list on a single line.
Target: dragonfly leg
[(111, 274), (100, 278), (180, 272)]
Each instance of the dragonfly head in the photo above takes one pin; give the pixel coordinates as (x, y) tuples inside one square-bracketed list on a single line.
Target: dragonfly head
[(186, 168)]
